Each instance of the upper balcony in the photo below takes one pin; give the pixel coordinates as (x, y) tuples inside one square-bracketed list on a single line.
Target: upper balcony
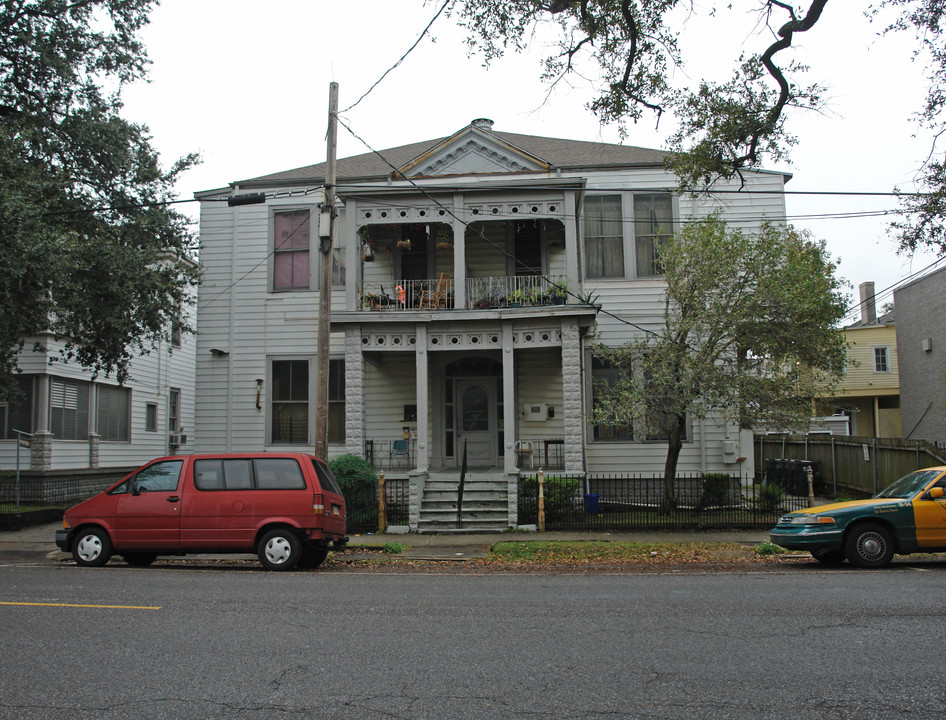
[(482, 293)]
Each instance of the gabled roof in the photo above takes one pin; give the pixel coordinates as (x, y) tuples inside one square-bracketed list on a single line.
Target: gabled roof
[(532, 153)]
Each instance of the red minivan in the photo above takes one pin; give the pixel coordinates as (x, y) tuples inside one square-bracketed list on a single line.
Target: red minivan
[(285, 507)]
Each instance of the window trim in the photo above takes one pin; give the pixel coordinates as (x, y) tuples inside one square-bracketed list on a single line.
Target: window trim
[(88, 400), (310, 401), (886, 359), (313, 248), (638, 430), (99, 388), (629, 230), (149, 426)]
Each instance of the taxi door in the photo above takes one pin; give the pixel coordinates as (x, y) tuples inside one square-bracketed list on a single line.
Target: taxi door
[(930, 516)]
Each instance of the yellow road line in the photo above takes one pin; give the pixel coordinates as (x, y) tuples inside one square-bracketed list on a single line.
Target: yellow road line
[(69, 605)]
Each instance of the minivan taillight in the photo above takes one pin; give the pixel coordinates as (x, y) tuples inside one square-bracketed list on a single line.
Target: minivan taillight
[(318, 506)]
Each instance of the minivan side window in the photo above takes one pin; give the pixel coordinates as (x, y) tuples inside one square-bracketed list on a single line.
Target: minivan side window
[(160, 477), (278, 474), (247, 474)]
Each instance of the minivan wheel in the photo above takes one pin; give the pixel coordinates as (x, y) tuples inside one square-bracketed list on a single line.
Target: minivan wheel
[(140, 559), (280, 550), (313, 556), (92, 548)]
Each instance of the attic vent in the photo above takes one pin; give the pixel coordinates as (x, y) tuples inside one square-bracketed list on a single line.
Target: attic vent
[(484, 123)]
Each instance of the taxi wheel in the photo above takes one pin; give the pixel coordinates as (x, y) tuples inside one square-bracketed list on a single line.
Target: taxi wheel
[(280, 549), (828, 557), (92, 548), (869, 546)]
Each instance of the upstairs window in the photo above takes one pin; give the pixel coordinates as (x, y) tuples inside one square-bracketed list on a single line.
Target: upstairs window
[(881, 359), (653, 223), (291, 264), (604, 236)]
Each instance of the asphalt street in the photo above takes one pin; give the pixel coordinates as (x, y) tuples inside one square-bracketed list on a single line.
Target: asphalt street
[(226, 641)]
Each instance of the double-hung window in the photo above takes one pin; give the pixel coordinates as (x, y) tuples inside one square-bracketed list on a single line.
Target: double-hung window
[(289, 423), (604, 236), (112, 407), (336, 401), (882, 359), (69, 409), (651, 424), (653, 223), (291, 262)]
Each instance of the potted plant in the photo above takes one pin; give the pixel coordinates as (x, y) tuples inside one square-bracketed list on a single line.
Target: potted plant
[(559, 292), (516, 298)]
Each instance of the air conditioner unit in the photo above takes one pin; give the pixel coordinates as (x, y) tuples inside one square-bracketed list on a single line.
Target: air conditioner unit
[(177, 439)]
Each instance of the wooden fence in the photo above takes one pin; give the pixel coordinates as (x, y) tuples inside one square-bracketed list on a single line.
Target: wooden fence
[(845, 463)]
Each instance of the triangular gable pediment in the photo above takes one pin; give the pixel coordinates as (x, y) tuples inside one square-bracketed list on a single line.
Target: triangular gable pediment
[(473, 152)]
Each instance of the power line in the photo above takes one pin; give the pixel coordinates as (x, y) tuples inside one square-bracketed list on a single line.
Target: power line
[(401, 59)]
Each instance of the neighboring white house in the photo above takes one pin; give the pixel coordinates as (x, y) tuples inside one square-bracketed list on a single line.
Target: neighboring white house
[(97, 428), (449, 261)]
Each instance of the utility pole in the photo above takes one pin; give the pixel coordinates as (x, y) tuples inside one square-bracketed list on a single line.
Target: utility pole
[(326, 237)]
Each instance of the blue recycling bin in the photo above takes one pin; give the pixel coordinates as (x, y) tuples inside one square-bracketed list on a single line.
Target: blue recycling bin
[(591, 504)]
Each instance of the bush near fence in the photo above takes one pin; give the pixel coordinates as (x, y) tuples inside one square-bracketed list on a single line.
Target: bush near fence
[(617, 503), (363, 518)]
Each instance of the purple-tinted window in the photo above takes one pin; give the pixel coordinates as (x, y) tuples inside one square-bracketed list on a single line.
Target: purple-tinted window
[(291, 250)]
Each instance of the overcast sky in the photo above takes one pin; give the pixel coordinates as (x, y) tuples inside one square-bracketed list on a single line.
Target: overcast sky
[(245, 83)]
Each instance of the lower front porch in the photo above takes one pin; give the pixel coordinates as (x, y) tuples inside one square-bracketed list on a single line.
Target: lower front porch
[(397, 457)]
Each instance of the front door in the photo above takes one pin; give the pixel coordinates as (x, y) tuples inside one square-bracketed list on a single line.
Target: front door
[(476, 421)]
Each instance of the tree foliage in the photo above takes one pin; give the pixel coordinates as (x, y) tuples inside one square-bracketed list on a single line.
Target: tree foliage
[(632, 52), (90, 252), (750, 333)]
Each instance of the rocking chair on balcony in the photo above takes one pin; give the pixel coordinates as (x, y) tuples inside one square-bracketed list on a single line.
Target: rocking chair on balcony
[(434, 296)]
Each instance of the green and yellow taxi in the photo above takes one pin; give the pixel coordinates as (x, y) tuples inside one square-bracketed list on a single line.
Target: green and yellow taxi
[(907, 517)]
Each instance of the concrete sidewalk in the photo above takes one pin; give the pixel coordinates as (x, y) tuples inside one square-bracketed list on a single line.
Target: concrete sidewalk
[(40, 541)]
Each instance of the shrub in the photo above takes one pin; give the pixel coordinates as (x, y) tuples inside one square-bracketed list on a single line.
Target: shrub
[(769, 497), (359, 484), (561, 495), (716, 490)]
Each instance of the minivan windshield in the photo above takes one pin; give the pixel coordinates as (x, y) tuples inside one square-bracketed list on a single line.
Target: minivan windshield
[(908, 485)]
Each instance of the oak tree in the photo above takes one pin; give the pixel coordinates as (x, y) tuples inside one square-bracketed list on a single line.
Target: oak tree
[(90, 246)]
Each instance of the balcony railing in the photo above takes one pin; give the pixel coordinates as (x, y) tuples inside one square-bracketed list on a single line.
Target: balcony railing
[(391, 454), (481, 293), (516, 291)]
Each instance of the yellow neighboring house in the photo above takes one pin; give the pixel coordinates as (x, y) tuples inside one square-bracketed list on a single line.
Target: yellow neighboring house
[(869, 394)]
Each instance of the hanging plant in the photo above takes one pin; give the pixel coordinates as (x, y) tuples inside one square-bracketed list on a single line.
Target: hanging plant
[(444, 245), (404, 244)]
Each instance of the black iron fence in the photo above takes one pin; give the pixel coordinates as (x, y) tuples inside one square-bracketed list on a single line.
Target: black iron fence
[(616, 503), (365, 519)]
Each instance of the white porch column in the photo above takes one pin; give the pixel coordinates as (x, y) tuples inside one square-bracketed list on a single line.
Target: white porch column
[(571, 397), (510, 429), (572, 249), (459, 254), (347, 222), (354, 393), (422, 463)]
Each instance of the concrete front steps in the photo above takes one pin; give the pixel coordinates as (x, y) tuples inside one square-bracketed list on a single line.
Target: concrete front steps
[(485, 503)]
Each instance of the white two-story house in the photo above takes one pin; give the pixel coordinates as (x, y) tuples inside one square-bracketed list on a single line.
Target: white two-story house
[(472, 276)]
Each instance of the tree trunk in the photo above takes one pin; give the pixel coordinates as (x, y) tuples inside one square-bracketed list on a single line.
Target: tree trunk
[(674, 446)]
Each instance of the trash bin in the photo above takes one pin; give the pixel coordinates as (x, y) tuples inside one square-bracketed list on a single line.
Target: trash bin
[(591, 504)]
